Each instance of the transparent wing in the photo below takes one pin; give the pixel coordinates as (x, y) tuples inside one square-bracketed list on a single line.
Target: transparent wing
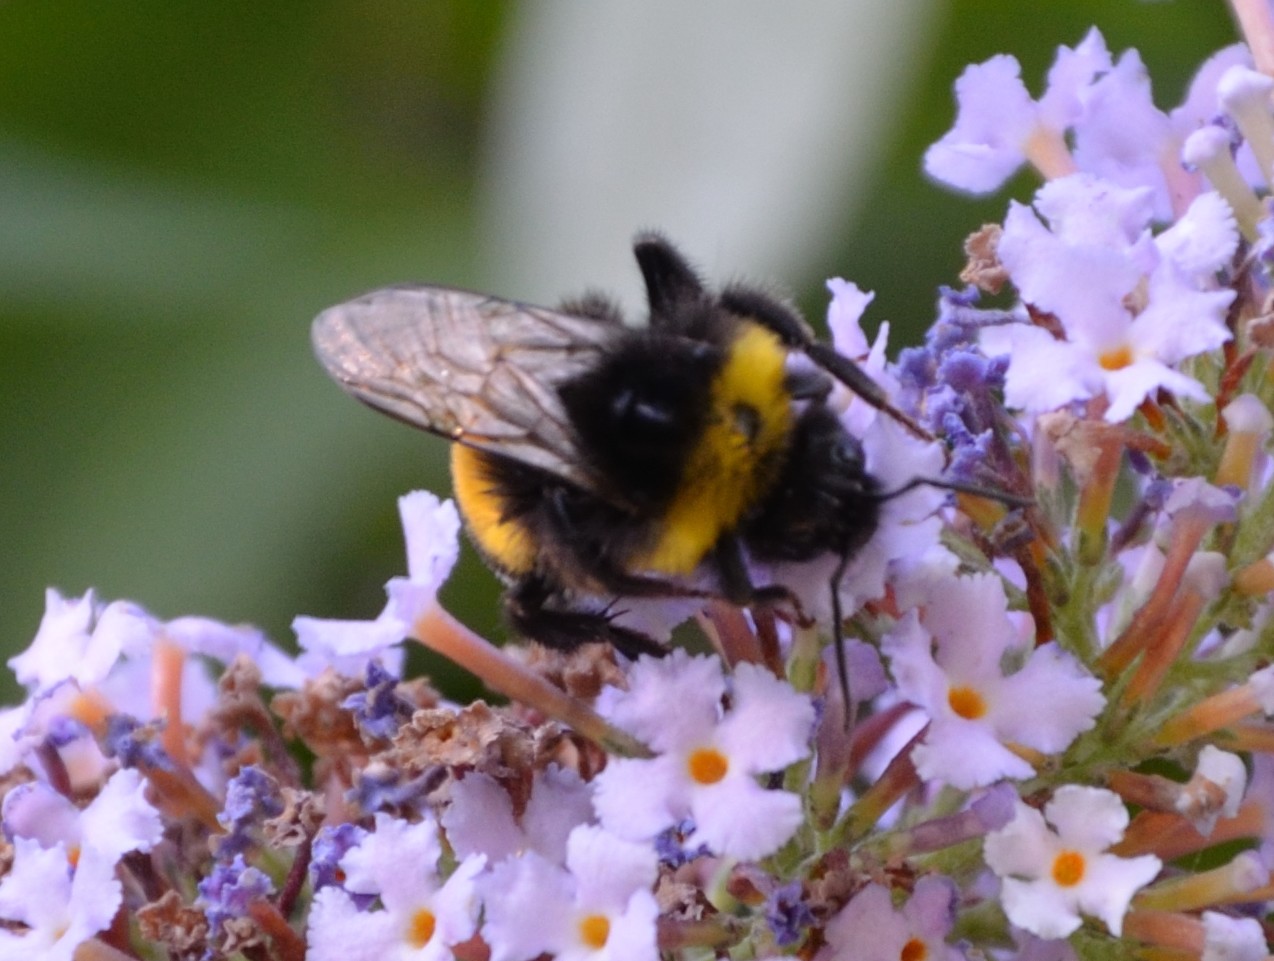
[(473, 368)]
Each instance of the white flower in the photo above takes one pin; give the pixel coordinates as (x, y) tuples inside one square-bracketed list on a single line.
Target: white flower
[(347, 646), (63, 646), (908, 529), (1131, 306), (106, 647), (421, 916), (1050, 876), (118, 820), (479, 819), (707, 759), (1218, 770), (62, 909), (430, 529), (870, 929), (949, 660), (598, 908)]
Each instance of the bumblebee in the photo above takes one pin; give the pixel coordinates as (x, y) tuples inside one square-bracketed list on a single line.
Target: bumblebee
[(593, 459)]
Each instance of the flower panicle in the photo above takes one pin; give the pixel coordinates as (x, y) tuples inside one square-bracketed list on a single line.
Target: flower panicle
[(1054, 733)]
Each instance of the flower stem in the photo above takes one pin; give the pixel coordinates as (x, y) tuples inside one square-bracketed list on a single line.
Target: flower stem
[(441, 632)]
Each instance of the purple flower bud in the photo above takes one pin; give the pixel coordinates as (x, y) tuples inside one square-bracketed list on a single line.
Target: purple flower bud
[(787, 914), (330, 845), (251, 796), (228, 891), (133, 743), (378, 711)]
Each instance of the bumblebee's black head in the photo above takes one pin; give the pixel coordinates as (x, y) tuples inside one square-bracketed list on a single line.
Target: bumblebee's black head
[(826, 501)]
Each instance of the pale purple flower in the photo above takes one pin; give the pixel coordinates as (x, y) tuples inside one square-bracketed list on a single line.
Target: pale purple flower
[(948, 658), (707, 759), (1227, 938), (997, 119), (1053, 866), (62, 908), (1132, 306), (599, 907), (421, 916), (870, 928)]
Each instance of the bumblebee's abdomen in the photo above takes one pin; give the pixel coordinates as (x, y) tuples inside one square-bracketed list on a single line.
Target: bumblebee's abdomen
[(735, 458), (495, 525)]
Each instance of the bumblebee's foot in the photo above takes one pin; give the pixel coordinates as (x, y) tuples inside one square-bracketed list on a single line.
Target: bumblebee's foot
[(569, 630), (785, 605)]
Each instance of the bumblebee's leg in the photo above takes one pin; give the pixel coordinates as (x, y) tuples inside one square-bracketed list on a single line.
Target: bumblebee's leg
[(736, 582), (595, 305), (772, 314), (838, 636), (527, 606), (670, 280)]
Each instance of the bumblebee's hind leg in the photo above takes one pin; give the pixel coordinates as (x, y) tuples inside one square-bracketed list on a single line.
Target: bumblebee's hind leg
[(529, 607)]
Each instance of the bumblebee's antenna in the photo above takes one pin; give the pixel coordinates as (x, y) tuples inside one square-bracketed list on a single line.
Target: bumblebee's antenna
[(959, 487)]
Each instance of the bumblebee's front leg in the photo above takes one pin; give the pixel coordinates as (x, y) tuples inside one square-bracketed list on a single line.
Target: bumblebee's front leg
[(530, 605), (736, 582)]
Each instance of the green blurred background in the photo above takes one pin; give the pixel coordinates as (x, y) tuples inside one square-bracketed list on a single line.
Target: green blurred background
[(184, 185)]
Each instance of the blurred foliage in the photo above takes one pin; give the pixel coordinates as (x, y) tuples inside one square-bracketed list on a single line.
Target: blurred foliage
[(183, 186)]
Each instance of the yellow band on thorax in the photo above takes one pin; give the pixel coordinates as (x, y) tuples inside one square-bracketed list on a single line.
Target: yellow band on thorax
[(736, 458)]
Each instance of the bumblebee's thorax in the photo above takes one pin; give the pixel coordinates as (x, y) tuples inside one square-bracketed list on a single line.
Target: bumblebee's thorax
[(691, 433)]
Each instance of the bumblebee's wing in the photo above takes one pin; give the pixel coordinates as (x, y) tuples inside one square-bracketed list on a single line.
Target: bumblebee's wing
[(473, 368)]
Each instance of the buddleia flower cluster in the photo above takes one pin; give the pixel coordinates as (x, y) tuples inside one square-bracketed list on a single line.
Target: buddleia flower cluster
[(1056, 743)]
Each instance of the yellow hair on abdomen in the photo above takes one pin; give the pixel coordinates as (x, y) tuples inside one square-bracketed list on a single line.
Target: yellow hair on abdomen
[(736, 458), (506, 544)]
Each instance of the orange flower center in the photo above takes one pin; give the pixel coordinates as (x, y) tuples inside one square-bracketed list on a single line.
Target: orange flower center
[(421, 930), (913, 950), (1068, 868), (594, 930), (707, 765), (1116, 359), (966, 702)]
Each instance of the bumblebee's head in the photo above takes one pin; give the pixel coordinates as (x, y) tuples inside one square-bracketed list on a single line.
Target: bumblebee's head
[(827, 501)]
